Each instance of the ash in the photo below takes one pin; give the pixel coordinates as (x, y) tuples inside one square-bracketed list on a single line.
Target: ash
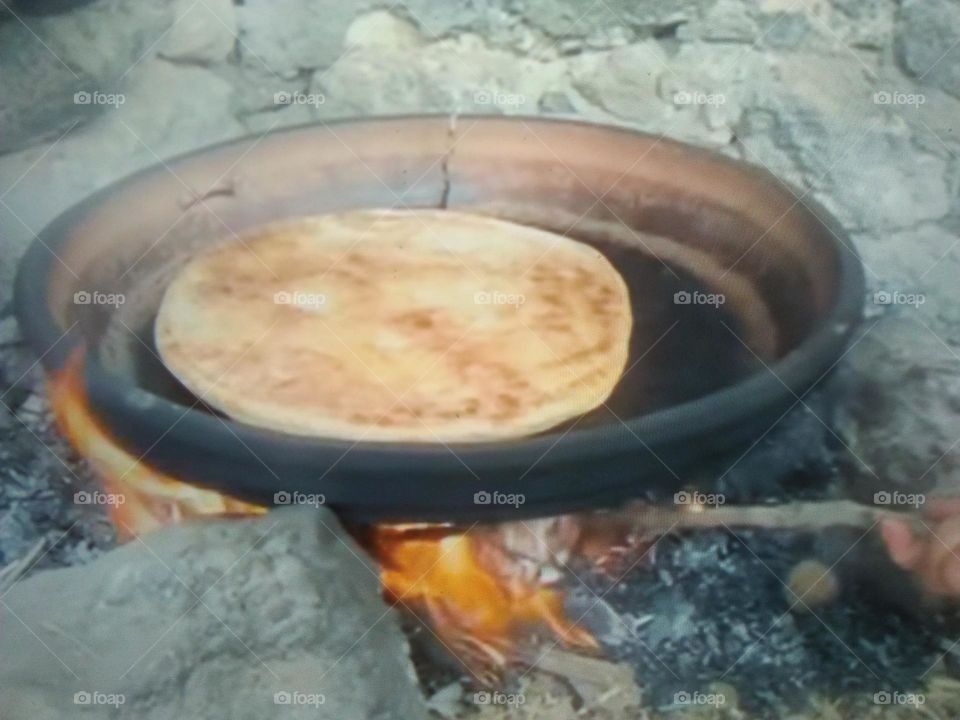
[(39, 473), (711, 613)]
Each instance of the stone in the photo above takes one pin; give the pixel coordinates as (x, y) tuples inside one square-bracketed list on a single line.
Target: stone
[(624, 82), (222, 619), (41, 182), (565, 18), (57, 69), (727, 21), (203, 32), (106, 38), (288, 37), (381, 29), (904, 420), (934, 123), (788, 30), (914, 189), (863, 23), (9, 331), (447, 702), (37, 92), (913, 260), (927, 40), (843, 140), (452, 75), (180, 123), (693, 95)]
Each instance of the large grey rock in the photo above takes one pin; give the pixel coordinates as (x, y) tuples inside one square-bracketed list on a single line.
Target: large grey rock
[(928, 42), (226, 619)]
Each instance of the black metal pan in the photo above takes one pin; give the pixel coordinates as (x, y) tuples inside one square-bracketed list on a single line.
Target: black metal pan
[(705, 380)]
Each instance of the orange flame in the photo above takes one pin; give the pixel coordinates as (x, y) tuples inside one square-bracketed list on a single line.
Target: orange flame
[(477, 602), (480, 603), (147, 499)]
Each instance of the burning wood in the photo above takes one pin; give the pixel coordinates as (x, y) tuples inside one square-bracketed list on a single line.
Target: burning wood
[(484, 602)]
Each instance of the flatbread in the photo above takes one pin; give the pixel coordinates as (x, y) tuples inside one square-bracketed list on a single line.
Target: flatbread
[(417, 326)]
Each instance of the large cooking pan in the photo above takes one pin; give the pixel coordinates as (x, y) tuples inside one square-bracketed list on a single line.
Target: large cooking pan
[(680, 223)]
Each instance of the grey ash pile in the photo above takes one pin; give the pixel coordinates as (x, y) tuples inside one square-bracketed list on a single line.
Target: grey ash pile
[(711, 613), (38, 471)]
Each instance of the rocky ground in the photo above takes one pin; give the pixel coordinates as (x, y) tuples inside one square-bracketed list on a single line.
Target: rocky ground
[(853, 101)]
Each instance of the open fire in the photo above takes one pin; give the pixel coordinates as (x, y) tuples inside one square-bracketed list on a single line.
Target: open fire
[(483, 601)]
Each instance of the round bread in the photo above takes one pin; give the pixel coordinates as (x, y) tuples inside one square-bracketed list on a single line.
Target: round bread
[(420, 325)]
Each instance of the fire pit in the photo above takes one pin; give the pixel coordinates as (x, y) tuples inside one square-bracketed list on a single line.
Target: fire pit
[(681, 224), (744, 300)]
